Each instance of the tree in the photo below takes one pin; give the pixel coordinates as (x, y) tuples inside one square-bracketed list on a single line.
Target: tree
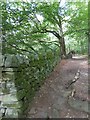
[(23, 30), (27, 26), (52, 22)]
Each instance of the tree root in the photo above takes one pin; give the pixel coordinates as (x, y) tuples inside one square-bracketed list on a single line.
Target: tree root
[(77, 76)]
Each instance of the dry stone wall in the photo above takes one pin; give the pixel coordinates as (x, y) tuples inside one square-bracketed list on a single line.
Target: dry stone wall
[(21, 78)]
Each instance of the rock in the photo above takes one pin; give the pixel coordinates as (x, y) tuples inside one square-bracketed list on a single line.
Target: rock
[(11, 60), (78, 104), (1, 60), (15, 62), (70, 54), (20, 59), (8, 61)]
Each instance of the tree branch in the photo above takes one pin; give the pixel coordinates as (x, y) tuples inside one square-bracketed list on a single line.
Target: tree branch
[(54, 33), (16, 47)]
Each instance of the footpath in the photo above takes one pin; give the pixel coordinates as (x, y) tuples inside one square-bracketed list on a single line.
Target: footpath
[(64, 93)]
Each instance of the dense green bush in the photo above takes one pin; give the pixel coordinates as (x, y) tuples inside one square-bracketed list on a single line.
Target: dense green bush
[(30, 76)]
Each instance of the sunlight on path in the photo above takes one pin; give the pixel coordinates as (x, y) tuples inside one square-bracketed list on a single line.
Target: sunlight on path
[(79, 56)]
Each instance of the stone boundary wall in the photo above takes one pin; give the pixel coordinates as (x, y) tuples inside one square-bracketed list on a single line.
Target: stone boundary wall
[(21, 78)]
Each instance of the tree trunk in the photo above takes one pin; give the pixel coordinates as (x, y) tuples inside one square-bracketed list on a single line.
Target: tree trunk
[(62, 41), (62, 47)]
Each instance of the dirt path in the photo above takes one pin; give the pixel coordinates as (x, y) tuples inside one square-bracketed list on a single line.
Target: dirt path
[(64, 93)]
